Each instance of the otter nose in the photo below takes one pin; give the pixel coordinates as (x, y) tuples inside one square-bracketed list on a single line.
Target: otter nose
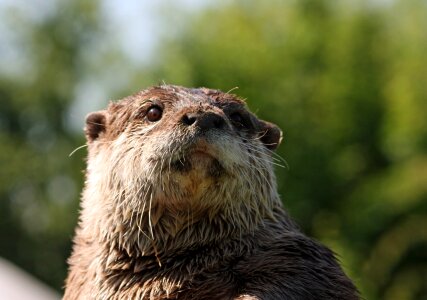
[(204, 120)]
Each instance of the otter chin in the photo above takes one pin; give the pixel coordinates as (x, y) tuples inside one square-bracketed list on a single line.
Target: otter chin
[(180, 202)]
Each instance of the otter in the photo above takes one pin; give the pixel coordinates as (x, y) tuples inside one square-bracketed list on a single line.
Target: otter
[(180, 202)]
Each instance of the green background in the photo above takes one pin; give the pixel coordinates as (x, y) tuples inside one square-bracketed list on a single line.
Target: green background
[(345, 80)]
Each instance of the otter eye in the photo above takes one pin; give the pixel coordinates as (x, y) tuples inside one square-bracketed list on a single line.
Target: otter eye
[(237, 118), (154, 114)]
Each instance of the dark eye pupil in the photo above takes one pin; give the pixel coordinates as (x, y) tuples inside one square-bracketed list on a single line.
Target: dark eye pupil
[(154, 114)]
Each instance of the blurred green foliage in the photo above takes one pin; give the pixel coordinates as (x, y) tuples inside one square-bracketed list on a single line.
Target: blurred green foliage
[(345, 81)]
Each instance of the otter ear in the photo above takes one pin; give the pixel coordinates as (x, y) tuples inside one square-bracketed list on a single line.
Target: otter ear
[(270, 135), (95, 124)]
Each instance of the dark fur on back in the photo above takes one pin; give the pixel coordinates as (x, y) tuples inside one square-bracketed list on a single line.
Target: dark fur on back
[(176, 210)]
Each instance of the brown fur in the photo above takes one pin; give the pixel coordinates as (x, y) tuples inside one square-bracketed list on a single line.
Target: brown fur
[(180, 210)]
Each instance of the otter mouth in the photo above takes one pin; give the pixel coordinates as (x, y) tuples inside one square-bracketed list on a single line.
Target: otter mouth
[(202, 151), (199, 157)]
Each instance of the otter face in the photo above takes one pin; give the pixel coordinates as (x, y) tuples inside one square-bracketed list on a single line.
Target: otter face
[(176, 149)]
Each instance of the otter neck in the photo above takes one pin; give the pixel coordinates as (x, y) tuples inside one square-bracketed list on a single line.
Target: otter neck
[(176, 232), (145, 215), (161, 230)]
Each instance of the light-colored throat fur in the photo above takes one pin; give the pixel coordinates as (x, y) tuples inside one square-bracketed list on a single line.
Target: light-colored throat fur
[(139, 205)]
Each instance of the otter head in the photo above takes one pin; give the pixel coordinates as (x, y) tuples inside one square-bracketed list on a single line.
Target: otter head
[(171, 161)]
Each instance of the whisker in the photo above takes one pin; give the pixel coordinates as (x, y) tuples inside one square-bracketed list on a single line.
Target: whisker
[(78, 148), (258, 151), (232, 89)]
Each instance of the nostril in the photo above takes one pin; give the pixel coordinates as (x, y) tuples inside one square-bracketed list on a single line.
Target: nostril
[(189, 119), (204, 120)]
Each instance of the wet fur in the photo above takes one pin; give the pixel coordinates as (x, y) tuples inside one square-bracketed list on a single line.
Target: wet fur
[(160, 222)]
